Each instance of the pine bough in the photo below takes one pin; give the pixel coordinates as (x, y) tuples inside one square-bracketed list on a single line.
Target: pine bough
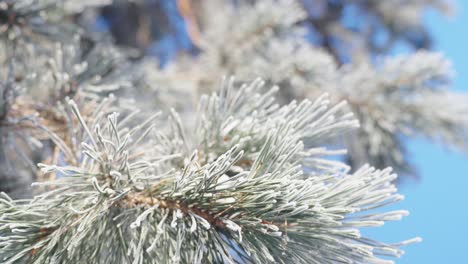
[(251, 183)]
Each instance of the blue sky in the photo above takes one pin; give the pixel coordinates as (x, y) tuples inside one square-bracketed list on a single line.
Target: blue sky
[(438, 202)]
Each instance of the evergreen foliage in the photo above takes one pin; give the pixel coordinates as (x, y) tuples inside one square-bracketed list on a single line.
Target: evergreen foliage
[(133, 163)]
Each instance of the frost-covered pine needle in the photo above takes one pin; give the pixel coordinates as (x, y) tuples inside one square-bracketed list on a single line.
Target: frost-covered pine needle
[(252, 180)]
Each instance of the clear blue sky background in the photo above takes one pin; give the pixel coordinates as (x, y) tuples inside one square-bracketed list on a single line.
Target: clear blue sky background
[(438, 202)]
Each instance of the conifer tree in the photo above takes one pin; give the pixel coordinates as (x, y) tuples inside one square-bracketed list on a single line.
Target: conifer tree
[(133, 163)]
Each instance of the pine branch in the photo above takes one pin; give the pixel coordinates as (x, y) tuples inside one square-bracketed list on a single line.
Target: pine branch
[(137, 196)]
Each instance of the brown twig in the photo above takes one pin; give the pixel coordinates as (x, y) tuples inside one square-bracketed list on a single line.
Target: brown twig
[(141, 198)]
